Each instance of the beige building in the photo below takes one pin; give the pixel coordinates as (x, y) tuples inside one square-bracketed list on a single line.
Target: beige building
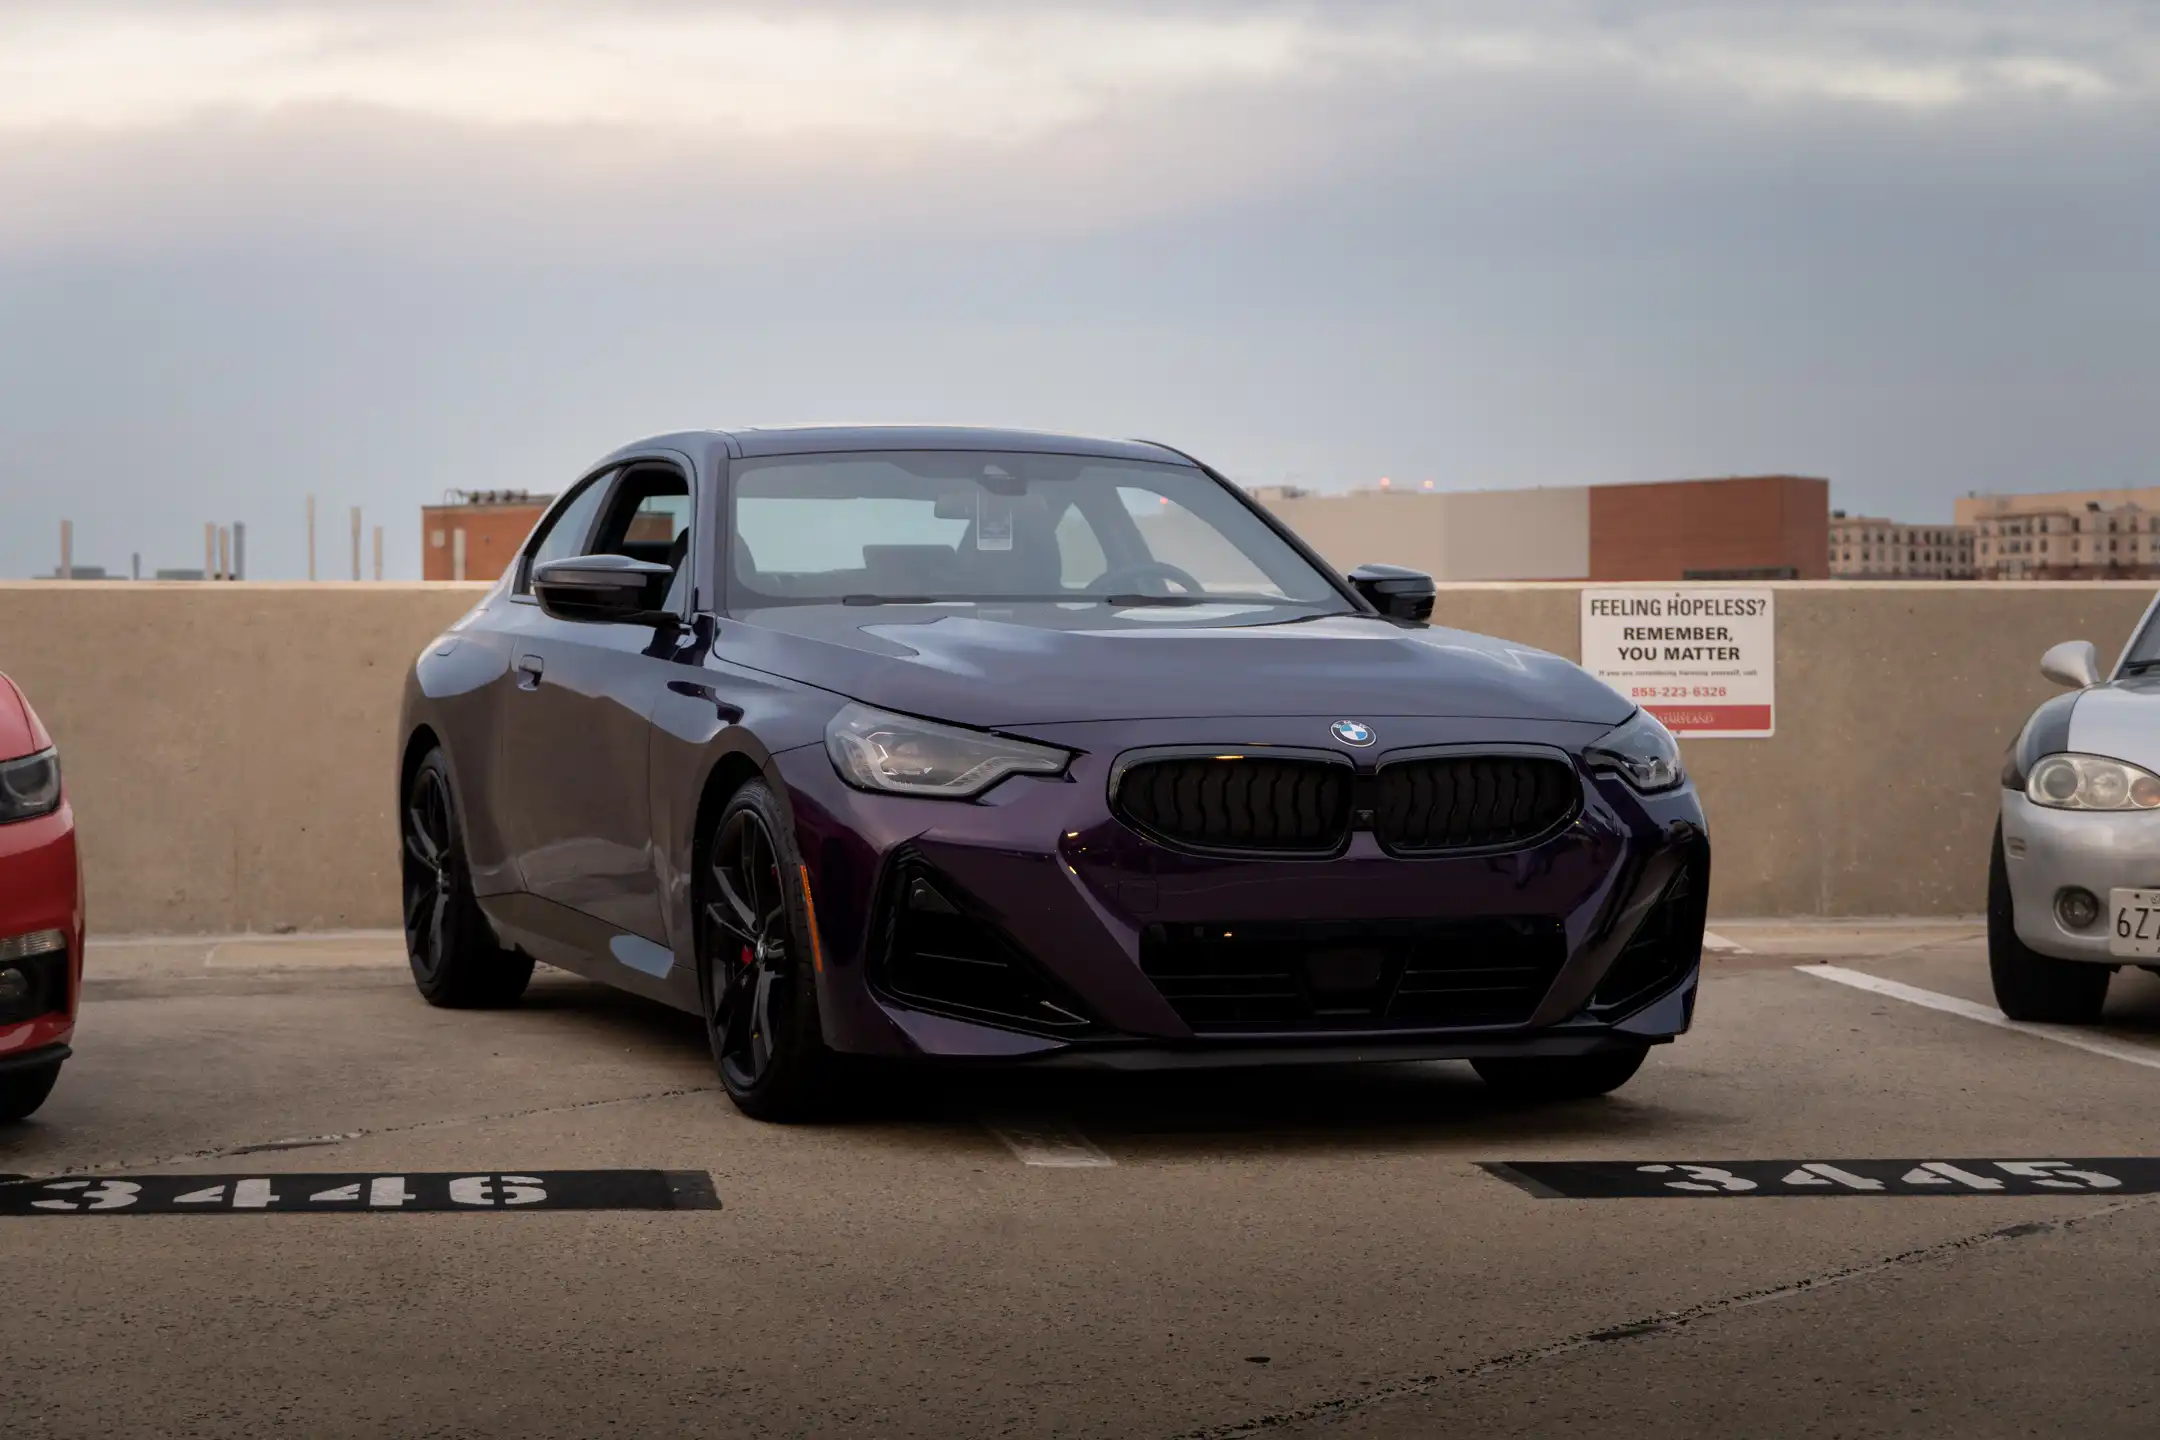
[(1867, 547), (2088, 543), (1972, 509), (2065, 534)]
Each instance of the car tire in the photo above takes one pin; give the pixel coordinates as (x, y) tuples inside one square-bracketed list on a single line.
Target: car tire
[(757, 959), (457, 962), (2029, 985), (1560, 1077), (22, 1091)]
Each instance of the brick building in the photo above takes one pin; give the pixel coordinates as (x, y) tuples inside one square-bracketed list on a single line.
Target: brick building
[(474, 536), (1754, 527)]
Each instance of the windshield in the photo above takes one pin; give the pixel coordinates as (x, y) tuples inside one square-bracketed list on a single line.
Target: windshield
[(2143, 656), (934, 527)]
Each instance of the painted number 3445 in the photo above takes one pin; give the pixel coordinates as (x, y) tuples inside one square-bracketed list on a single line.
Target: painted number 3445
[(381, 1192), (1818, 1175)]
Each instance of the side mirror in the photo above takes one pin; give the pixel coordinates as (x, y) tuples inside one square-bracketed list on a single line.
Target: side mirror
[(602, 588), (1396, 592), (2074, 663)]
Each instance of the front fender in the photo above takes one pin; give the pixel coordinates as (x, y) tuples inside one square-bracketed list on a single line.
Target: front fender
[(714, 727)]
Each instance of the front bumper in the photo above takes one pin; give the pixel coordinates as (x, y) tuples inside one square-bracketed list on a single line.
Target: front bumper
[(2046, 850), (41, 889), (1086, 905)]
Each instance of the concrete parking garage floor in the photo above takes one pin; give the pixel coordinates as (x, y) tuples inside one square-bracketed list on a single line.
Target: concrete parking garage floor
[(1311, 1252)]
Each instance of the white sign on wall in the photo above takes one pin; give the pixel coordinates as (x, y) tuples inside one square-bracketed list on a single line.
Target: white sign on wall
[(1703, 661)]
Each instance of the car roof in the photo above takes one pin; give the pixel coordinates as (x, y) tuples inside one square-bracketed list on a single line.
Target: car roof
[(758, 441)]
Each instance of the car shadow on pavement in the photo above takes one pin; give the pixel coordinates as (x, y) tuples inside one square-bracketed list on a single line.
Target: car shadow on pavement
[(2133, 1003), (1321, 1108), (1317, 1108), (631, 1018)]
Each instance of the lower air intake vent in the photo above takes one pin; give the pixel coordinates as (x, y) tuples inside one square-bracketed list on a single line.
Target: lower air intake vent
[(1472, 802), (1241, 803), (1231, 978), (1665, 946), (937, 957), (42, 989)]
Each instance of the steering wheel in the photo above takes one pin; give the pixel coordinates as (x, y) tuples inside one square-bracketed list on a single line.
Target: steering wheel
[(1122, 580)]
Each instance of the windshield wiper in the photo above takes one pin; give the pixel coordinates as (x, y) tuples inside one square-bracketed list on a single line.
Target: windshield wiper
[(1116, 602), (2139, 667)]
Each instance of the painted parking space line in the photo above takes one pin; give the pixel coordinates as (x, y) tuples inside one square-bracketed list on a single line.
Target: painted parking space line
[(365, 1193), (1711, 940), (1048, 1143), (2071, 1036)]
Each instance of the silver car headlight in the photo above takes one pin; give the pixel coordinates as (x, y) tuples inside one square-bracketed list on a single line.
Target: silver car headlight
[(901, 755), (1642, 751), (2091, 782)]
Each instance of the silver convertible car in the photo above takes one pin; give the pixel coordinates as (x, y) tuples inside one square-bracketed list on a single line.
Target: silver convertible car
[(2074, 882)]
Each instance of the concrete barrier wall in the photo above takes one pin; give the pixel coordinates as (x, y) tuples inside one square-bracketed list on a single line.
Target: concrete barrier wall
[(230, 748)]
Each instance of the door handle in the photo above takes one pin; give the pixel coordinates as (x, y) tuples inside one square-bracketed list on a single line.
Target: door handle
[(529, 668)]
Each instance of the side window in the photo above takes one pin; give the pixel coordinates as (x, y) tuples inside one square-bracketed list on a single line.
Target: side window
[(567, 533), (648, 518), (649, 514)]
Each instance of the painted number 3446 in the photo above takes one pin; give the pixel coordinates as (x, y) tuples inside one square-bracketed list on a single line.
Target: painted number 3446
[(381, 1192)]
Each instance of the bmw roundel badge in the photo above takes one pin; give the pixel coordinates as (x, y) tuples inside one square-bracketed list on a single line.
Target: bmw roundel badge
[(1353, 732)]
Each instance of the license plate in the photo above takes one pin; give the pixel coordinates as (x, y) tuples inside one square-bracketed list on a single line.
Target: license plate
[(2135, 925)]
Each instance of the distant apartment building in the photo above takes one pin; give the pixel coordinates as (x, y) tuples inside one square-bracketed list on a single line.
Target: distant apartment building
[(473, 535), (1867, 547), (1751, 527), (2066, 535)]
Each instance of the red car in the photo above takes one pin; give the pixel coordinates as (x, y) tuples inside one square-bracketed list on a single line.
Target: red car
[(41, 910)]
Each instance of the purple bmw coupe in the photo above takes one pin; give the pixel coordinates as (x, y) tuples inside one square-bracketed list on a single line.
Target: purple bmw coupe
[(990, 746)]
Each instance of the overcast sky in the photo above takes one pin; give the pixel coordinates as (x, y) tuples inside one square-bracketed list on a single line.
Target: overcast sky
[(373, 249)]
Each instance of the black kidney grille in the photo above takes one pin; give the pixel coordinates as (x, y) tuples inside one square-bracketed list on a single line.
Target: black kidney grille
[(1243, 803), (1335, 975), (1472, 801)]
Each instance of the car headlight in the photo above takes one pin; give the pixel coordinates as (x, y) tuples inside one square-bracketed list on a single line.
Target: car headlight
[(29, 787), (2091, 782), (901, 755), (1642, 751)]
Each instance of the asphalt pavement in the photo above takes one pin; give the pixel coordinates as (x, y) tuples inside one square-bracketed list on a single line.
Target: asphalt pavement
[(1312, 1252)]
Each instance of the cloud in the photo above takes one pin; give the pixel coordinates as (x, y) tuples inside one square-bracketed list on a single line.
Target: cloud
[(995, 73), (373, 250), (468, 124)]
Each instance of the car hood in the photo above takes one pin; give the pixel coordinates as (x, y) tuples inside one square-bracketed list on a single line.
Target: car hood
[(1065, 665), (2120, 720), (20, 732)]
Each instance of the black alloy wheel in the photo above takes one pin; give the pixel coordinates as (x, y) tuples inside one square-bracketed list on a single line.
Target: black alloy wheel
[(756, 962), (1560, 1077), (2029, 985), (456, 960)]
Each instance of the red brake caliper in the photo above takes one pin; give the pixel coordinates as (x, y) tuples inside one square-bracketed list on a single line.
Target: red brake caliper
[(747, 957)]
